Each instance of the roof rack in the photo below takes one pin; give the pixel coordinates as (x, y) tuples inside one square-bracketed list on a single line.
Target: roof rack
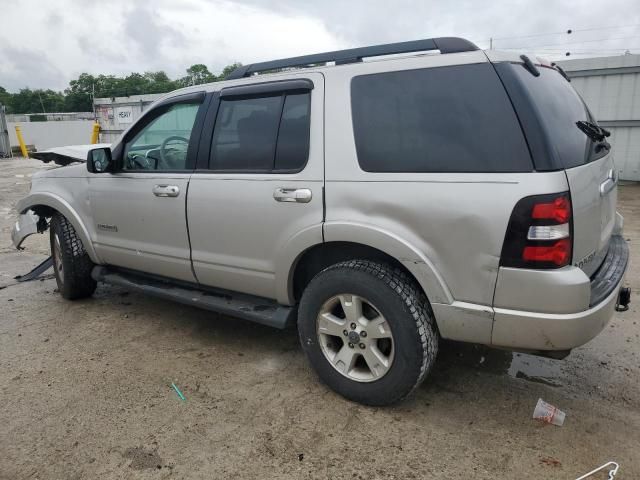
[(353, 55)]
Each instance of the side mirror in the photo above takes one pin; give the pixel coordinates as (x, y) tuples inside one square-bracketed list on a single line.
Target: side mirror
[(99, 160)]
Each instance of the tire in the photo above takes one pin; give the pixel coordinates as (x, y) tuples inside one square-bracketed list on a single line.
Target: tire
[(392, 305), (71, 264)]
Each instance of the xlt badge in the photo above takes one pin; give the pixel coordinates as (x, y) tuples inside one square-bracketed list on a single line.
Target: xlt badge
[(107, 228)]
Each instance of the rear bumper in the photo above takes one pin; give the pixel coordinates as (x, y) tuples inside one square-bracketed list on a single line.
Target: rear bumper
[(561, 331), (610, 273)]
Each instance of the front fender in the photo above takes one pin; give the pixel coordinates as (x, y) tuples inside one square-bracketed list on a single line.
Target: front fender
[(414, 260), (57, 203)]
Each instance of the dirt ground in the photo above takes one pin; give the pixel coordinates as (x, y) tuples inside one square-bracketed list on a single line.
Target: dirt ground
[(85, 392)]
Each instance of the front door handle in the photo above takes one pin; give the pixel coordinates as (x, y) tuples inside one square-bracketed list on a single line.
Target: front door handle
[(166, 190), (299, 195)]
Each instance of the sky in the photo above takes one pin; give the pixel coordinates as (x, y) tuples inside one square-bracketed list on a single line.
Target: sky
[(46, 43)]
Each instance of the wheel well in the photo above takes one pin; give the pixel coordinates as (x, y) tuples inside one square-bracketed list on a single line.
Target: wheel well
[(43, 211), (321, 256)]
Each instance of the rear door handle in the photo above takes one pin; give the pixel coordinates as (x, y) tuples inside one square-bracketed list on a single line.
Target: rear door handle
[(299, 195), (166, 190), (609, 183)]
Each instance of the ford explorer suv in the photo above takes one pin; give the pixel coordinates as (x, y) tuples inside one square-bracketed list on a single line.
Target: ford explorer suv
[(381, 198)]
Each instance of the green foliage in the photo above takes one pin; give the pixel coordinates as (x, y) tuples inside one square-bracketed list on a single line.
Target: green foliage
[(228, 69), (196, 75), (35, 101), (78, 96), (5, 97)]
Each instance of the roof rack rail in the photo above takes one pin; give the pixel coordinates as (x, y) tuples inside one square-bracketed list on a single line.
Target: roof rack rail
[(353, 55)]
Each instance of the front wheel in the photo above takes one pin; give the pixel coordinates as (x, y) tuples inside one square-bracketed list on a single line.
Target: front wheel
[(71, 263), (368, 331)]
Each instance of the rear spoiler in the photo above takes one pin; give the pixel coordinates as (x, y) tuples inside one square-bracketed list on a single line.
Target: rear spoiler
[(67, 155)]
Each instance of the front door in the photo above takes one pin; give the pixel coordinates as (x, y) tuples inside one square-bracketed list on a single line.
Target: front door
[(139, 211), (259, 182)]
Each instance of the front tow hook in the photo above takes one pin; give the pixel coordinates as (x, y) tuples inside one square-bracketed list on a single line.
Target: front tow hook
[(624, 299)]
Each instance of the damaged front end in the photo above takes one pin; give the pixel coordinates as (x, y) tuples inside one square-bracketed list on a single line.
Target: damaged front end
[(27, 224)]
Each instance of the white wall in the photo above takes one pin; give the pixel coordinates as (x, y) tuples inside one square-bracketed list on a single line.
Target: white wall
[(46, 135)]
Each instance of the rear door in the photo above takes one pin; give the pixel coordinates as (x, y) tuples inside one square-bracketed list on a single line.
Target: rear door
[(549, 109), (259, 182)]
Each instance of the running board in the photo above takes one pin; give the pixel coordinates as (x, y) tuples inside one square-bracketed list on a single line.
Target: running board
[(255, 309)]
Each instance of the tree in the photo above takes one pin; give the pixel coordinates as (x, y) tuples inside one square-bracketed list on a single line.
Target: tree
[(228, 69), (5, 98), (196, 75), (159, 82), (79, 95), (37, 101)]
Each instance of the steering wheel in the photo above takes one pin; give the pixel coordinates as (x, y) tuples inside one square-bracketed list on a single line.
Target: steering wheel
[(141, 161), (163, 148)]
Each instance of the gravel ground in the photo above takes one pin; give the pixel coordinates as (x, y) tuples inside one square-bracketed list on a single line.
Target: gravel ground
[(85, 392)]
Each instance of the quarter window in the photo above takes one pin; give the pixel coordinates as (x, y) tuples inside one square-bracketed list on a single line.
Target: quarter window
[(261, 134), (443, 119)]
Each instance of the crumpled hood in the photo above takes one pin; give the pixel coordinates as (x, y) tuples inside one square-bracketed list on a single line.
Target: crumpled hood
[(69, 154)]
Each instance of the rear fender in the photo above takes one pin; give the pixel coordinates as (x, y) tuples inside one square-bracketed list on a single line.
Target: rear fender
[(414, 260)]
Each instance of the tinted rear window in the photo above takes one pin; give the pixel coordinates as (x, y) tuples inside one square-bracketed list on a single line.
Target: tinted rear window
[(558, 107), (244, 137), (262, 134), (293, 137), (445, 119)]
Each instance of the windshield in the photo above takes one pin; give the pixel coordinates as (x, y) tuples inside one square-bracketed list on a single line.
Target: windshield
[(560, 108)]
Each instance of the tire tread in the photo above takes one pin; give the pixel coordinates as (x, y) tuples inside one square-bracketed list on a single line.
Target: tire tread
[(417, 305), (78, 282)]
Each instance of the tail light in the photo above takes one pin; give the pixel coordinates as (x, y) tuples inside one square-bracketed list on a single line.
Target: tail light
[(540, 232)]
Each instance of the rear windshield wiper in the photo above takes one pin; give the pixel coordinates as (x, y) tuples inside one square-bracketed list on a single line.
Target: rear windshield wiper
[(593, 131), (561, 71)]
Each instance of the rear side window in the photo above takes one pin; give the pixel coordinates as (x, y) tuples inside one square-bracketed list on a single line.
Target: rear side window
[(259, 134), (444, 119), (293, 138), (558, 107)]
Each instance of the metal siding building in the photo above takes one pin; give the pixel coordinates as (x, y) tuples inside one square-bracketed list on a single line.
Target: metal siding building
[(611, 88), (117, 114)]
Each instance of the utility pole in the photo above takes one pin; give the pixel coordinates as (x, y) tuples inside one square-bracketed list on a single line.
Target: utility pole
[(93, 101), (490, 43), (41, 104)]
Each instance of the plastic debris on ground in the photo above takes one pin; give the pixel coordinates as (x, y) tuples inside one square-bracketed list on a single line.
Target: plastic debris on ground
[(547, 413), (178, 392), (612, 468)]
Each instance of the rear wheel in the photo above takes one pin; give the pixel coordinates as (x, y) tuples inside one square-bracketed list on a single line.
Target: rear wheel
[(368, 331), (71, 263)]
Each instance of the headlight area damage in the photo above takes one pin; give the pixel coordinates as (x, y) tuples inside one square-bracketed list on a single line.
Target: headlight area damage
[(28, 224)]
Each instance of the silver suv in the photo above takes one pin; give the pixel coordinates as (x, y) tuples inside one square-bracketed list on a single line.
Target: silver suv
[(433, 191)]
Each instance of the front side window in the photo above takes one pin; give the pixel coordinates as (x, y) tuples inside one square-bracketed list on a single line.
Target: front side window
[(441, 119), (163, 143), (261, 134)]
